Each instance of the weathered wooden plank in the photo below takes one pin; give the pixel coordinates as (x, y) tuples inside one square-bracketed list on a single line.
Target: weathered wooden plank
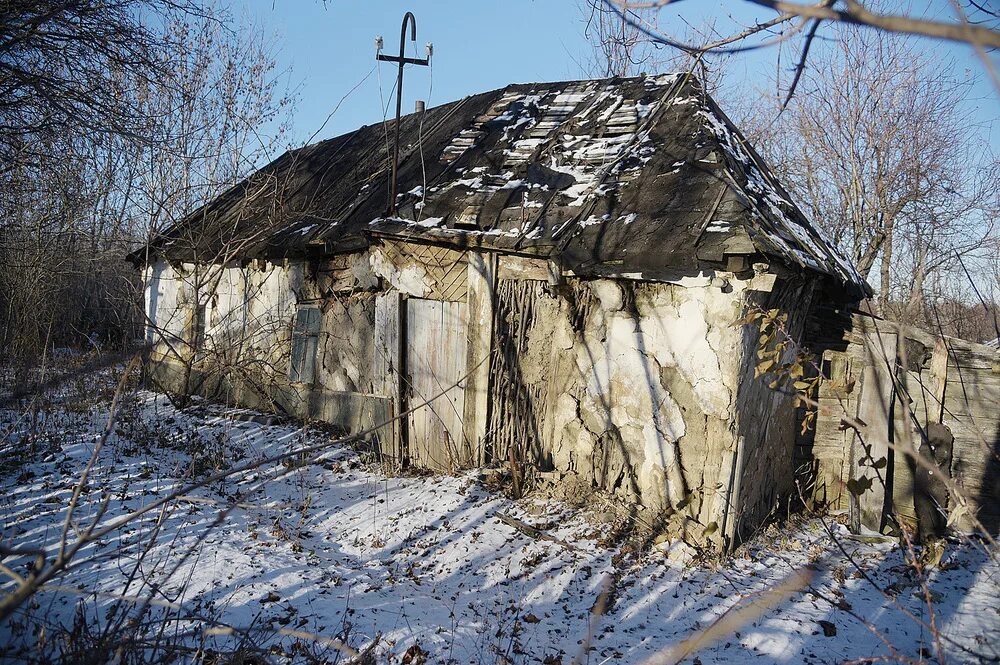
[(939, 378), (977, 444), (973, 399), (983, 377), (482, 285), (899, 479), (350, 410), (832, 436), (422, 319), (968, 373), (436, 360), (454, 324), (874, 409), (902, 487), (974, 389), (865, 325), (520, 267), (387, 368)]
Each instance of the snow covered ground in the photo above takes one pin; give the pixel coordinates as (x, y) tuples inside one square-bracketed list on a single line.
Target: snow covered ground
[(430, 567)]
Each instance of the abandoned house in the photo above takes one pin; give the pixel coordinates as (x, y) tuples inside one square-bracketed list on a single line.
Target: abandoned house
[(555, 287)]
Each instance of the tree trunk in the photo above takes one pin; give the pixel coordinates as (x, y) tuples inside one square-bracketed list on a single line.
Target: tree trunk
[(885, 273)]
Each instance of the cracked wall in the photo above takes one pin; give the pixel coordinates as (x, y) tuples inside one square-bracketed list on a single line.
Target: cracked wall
[(640, 389), (639, 384), (346, 344), (246, 311), (249, 312)]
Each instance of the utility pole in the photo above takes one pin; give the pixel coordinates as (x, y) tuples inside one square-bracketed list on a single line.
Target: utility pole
[(402, 60)]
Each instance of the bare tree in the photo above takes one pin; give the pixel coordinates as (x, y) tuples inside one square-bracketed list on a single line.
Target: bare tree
[(620, 48), (72, 66), (877, 148), (797, 19), (117, 117), (623, 43)]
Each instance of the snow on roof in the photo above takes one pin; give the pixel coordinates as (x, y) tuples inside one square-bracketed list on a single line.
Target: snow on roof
[(778, 222), (639, 175)]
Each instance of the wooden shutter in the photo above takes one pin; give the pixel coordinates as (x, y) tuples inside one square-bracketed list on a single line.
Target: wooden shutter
[(305, 336)]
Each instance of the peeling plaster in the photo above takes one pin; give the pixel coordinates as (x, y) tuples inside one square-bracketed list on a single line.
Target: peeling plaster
[(688, 329), (609, 293), (638, 381), (617, 411), (411, 280), (162, 299), (623, 385), (346, 344), (248, 310), (363, 273)]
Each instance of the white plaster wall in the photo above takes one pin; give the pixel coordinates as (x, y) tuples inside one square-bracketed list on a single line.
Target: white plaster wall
[(165, 320), (619, 360), (688, 328), (272, 303), (230, 305), (248, 308), (621, 357), (622, 382)]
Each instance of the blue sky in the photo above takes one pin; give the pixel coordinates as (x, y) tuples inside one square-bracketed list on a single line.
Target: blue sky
[(326, 49), (478, 45)]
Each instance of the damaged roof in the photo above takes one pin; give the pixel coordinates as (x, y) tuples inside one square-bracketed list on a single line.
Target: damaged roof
[(642, 177)]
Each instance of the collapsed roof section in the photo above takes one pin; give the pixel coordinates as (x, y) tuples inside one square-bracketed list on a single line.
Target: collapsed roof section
[(641, 177)]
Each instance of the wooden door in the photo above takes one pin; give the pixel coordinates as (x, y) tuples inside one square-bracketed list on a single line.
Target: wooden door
[(435, 360)]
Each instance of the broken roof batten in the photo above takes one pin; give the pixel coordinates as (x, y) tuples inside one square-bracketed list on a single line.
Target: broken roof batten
[(645, 174)]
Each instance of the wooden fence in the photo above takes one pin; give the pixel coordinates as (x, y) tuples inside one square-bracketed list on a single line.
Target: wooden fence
[(913, 391)]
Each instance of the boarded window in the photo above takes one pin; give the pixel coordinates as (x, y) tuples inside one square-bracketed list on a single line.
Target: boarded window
[(305, 336)]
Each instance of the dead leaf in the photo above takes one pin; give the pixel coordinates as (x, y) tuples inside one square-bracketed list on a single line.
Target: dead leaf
[(415, 655), (829, 628)]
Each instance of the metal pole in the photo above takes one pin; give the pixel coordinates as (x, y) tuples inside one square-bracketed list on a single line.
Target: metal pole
[(402, 60), (399, 102)]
